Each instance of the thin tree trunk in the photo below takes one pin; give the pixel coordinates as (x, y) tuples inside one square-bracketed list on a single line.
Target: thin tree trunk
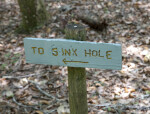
[(33, 14)]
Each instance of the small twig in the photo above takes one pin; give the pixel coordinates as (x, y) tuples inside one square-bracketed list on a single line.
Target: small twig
[(5, 106), (14, 100), (100, 105), (43, 92), (137, 107), (50, 111), (19, 77), (122, 106)]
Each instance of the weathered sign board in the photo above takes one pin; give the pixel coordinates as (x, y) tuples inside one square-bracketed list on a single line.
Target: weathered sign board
[(73, 53)]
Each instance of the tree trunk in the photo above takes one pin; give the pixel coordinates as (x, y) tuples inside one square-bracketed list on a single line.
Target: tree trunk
[(33, 14)]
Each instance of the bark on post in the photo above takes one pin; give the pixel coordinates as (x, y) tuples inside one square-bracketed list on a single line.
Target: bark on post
[(33, 14), (77, 76)]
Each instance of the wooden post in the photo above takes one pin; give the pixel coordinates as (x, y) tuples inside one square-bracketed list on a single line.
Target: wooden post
[(77, 76)]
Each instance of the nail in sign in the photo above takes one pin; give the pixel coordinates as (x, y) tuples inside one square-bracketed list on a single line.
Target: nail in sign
[(73, 53)]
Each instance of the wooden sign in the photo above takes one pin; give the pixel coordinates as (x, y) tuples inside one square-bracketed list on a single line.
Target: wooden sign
[(73, 53)]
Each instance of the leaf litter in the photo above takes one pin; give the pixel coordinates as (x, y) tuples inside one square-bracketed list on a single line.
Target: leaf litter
[(29, 87)]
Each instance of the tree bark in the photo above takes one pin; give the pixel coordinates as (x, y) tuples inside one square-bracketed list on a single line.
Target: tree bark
[(33, 14)]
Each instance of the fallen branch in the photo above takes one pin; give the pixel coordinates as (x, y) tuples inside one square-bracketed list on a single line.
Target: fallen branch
[(50, 111), (43, 92), (100, 105), (19, 77), (98, 25), (121, 106)]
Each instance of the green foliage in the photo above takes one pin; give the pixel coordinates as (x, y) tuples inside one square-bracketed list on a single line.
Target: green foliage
[(3, 66), (109, 109), (15, 58), (7, 55), (147, 92), (9, 59), (106, 10)]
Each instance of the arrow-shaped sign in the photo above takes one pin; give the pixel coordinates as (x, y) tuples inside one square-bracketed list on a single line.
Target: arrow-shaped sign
[(73, 53), (65, 61)]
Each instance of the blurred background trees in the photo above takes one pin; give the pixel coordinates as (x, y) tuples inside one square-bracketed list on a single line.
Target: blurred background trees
[(34, 15)]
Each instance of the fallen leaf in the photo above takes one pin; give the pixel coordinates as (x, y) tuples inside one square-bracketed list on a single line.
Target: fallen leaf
[(117, 91), (145, 88), (147, 70), (44, 102), (9, 94), (129, 90), (13, 41), (63, 109), (147, 58), (109, 3), (48, 30), (131, 95), (24, 81), (9, 46), (1, 47), (39, 112)]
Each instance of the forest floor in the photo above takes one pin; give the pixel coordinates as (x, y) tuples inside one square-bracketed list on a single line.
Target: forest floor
[(28, 88)]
